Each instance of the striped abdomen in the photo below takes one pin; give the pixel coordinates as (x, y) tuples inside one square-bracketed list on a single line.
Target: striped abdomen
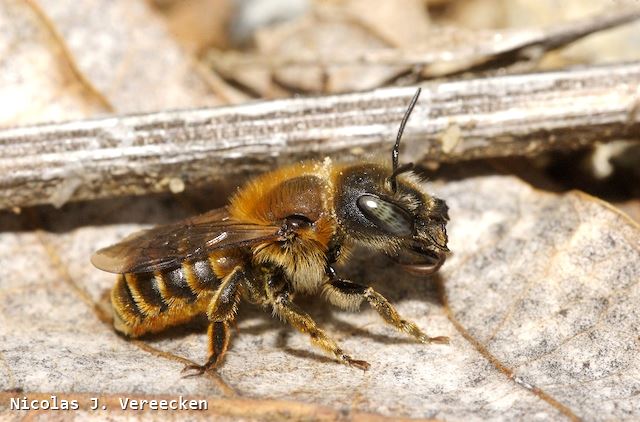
[(149, 302)]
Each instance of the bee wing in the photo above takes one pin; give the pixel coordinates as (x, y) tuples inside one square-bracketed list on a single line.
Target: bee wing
[(191, 239)]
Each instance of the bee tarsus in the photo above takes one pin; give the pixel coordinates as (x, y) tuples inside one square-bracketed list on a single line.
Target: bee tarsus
[(348, 295), (219, 343)]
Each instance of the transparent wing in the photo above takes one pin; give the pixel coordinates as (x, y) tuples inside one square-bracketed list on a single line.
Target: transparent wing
[(191, 239)]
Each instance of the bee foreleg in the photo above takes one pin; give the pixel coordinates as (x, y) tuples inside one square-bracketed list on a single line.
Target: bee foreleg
[(301, 321), (221, 311), (349, 295)]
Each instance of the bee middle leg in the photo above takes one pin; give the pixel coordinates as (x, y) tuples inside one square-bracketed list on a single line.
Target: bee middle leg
[(301, 321), (348, 295), (221, 312)]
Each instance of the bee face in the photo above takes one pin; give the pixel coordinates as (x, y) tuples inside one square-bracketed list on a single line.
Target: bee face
[(406, 223)]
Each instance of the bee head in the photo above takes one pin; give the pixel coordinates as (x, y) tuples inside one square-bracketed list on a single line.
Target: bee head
[(389, 210)]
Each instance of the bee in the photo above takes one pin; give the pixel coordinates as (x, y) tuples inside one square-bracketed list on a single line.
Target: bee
[(281, 234)]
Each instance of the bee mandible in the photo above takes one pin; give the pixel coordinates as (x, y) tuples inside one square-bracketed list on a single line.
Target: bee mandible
[(281, 234)]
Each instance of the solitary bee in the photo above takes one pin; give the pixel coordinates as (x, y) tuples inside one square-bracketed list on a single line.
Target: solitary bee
[(281, 234)]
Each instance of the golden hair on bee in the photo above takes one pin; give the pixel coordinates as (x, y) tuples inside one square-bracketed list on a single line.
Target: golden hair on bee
[(281, 234)]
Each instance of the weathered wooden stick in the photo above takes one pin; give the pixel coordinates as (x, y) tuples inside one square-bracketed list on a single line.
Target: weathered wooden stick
[(490, 117)]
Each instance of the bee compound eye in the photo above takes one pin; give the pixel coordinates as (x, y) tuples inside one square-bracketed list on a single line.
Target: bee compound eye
[(387, 216)]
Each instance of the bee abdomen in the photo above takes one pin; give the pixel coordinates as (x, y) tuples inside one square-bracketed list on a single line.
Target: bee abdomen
[(201, 277), (124, 304), (139, 296), (173, 286)]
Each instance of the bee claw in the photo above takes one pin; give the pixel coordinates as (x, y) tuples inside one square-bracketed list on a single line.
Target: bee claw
[(439, 340), (196, 370), (360, 364), (433, 340)]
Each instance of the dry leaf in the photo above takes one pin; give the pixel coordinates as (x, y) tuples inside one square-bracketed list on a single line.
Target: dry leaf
[(334, 30), (333, 51), (540, 298), (39, 81), (66, 60), (561, 315), (619, 44), (323, 38), (401, 23), (200, 24), (128, 54)]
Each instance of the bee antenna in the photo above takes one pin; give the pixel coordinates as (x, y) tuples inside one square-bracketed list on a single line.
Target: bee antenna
[(395, 152), (402, 169)]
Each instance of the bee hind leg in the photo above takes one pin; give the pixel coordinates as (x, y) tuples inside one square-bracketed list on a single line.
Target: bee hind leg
[(218, 343), (301, 321), (348, 295), (221, 312)]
